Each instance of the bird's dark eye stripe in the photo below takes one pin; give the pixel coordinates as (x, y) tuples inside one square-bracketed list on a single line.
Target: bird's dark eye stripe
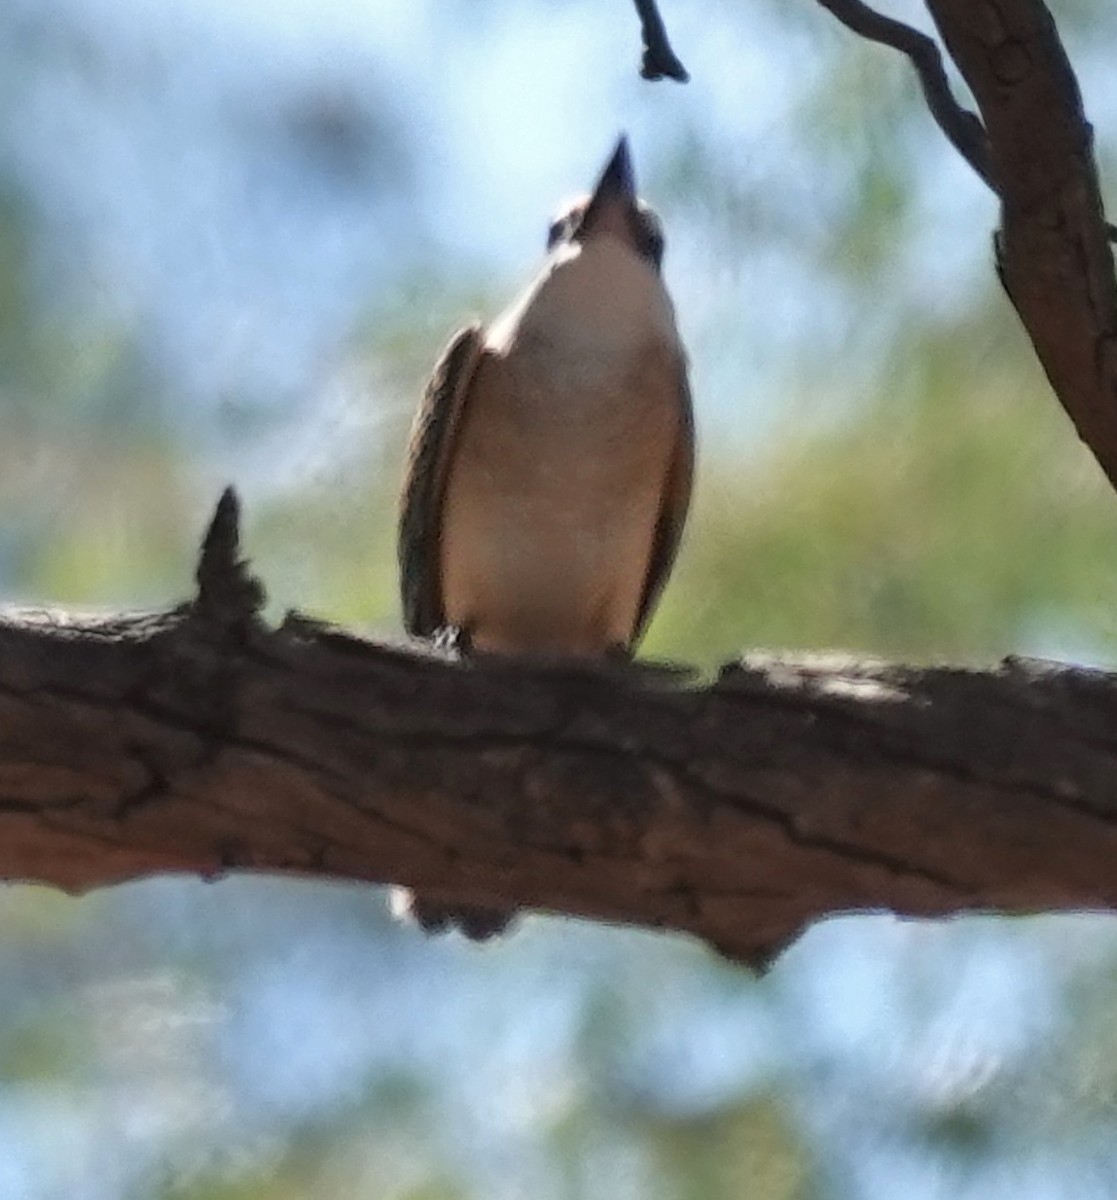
[(649, 239), (555, 231)]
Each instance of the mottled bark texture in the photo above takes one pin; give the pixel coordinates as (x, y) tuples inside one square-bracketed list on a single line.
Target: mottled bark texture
[(201, 740)]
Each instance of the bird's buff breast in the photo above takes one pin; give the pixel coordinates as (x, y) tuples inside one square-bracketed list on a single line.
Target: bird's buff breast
[(557, 478)]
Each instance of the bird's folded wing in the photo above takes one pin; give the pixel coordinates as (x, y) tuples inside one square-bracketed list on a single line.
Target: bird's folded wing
[(673, 511), (432, 437)]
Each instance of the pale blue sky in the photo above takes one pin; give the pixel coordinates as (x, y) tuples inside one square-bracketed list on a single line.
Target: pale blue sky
[(164, 163)]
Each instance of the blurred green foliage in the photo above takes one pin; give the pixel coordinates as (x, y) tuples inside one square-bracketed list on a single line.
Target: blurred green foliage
[(955, 516)]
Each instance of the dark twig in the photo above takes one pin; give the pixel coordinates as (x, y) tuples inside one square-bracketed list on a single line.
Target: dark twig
[(660, 61), (962, 127)]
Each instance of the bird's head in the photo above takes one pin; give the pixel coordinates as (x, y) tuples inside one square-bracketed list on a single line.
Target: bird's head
[(613, 209)]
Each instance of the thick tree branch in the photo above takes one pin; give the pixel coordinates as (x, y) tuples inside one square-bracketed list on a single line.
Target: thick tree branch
[(1053, 249), (788, 789)]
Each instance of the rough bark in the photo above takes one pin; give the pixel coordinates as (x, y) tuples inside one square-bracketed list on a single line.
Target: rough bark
[(201, 740)]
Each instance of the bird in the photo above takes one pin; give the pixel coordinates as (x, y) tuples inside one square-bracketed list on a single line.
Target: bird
[(551, 461)]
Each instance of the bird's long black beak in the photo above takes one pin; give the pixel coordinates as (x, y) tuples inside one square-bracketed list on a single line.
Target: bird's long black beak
[(618, 180)]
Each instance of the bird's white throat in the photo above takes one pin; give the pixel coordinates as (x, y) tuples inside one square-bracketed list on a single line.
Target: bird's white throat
[(594, 300)]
